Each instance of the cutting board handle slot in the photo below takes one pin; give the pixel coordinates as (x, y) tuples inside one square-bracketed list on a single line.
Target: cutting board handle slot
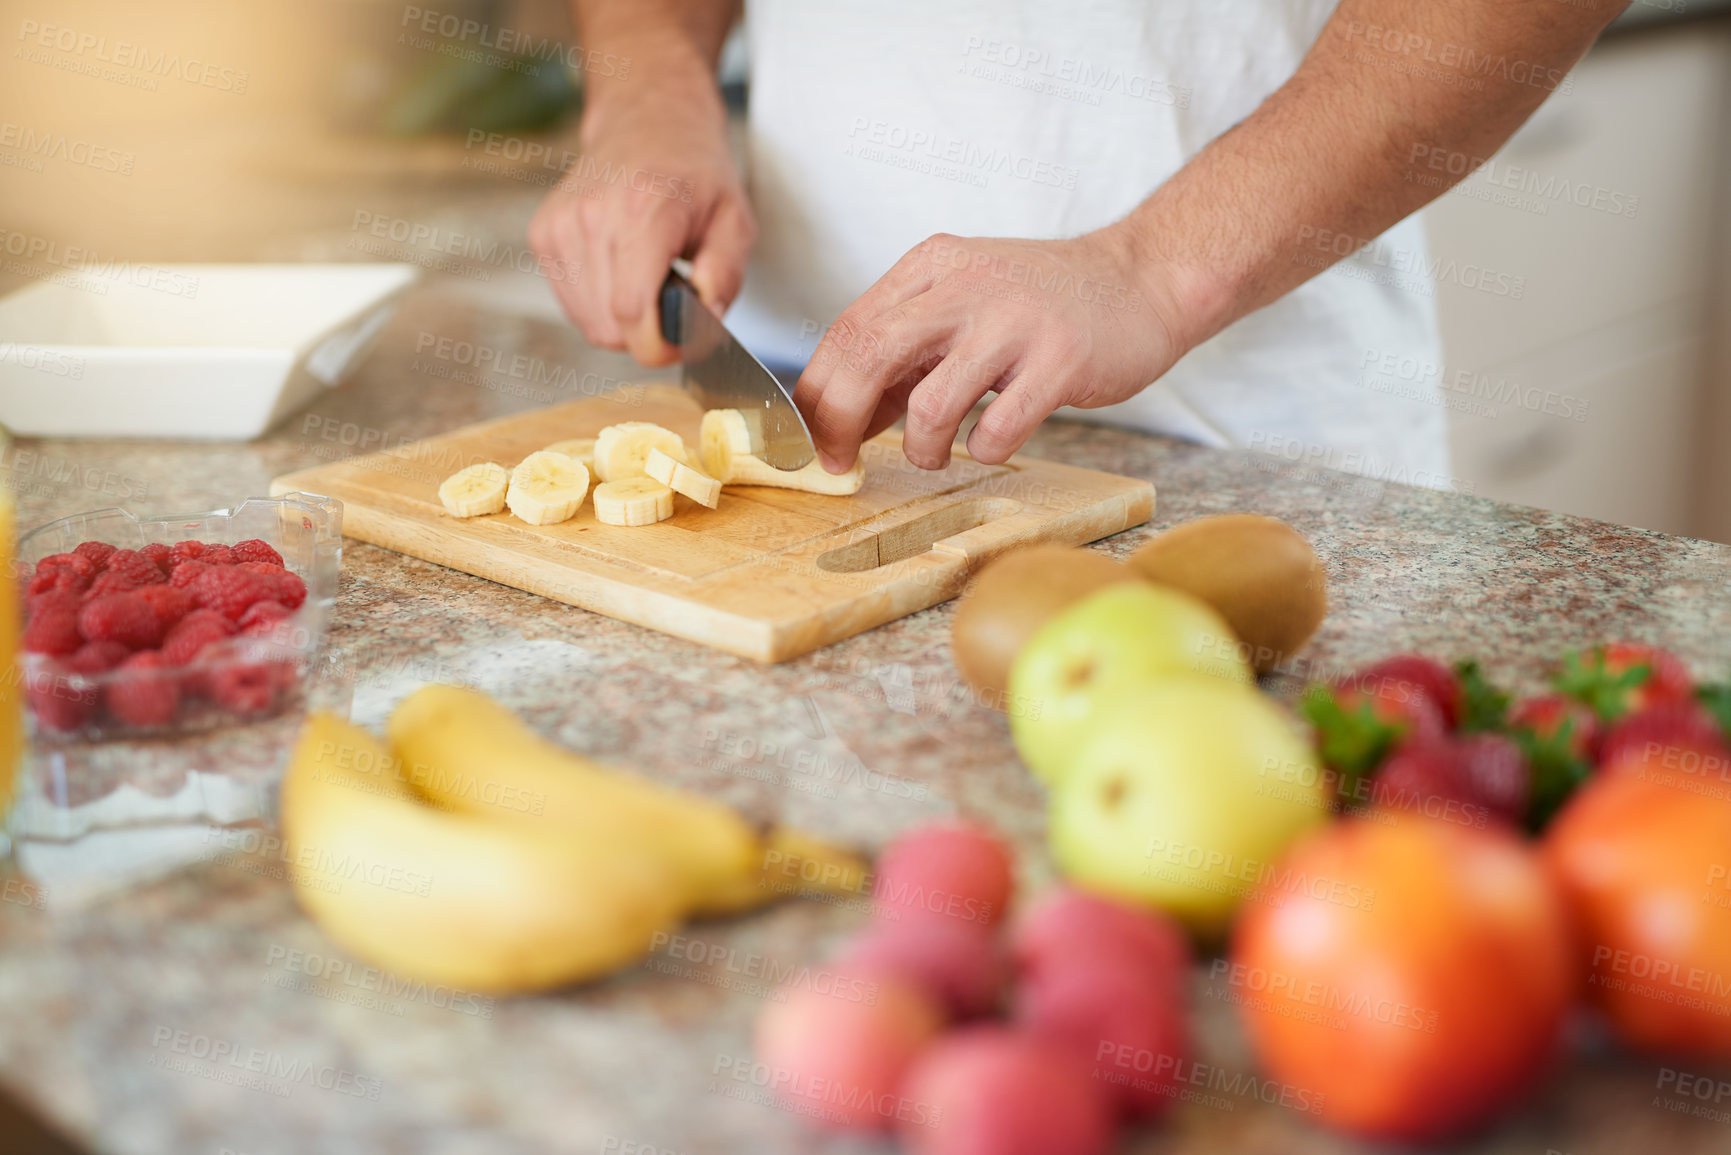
[(912, 538)]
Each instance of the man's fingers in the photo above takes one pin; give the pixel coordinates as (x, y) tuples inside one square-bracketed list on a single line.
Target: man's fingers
[(1014, 414), (641, 255), (718, 267), (938, 405), (896, 349), (907, 279)]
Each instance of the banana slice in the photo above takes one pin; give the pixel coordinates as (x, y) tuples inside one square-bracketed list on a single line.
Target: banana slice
[(724, 432), (547, 487), (621, 449), (744, 469), (633, 501), (582, 448), (681, 478), (477, 490)]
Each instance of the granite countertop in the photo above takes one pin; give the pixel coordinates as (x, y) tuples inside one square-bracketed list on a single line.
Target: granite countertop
[(95, 997)]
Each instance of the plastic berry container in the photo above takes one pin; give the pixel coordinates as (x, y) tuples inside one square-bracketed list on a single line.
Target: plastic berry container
[(258, 672)]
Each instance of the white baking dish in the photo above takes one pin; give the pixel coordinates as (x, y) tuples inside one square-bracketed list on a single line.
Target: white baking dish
[(198, 351)]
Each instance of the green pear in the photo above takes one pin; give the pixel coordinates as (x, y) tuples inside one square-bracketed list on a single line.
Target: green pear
[(1187, 793), (1111, 640)]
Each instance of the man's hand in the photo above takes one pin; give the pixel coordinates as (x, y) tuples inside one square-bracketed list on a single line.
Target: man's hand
[(654, 179), (1333, 152), (1043, 323)]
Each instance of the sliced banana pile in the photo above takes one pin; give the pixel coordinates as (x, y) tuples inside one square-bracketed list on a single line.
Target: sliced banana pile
[(640, 466)]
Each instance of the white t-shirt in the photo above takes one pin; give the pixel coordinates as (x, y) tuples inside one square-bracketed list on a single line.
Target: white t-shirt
[(875, 123)]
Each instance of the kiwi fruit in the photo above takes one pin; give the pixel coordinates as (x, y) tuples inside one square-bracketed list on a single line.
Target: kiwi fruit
[(1258, 572), (1013, 596)]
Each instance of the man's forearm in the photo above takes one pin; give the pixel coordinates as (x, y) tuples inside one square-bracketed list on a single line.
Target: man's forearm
[(1337, 150), (673, 46)]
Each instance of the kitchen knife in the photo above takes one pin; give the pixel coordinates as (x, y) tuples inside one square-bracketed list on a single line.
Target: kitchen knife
[(720, 373)]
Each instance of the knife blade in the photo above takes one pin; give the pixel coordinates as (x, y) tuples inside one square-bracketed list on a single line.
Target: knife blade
[(720, 373)]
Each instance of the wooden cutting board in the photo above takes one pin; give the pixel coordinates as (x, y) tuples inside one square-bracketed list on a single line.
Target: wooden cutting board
[(772, 573)]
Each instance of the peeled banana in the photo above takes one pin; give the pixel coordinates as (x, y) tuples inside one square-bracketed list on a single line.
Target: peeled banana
[(475, 491), (813, 478), (620, 450), (724, 443), (455, 898), (547, 488), (681, 478), (582, 448), (722, 434), (633, 501), (469, 753)]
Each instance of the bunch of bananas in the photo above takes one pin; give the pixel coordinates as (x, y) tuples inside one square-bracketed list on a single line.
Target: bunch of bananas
[(474, 853)]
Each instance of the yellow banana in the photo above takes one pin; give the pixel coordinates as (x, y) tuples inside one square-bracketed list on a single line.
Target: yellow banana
[(463, 751), (790, 863), (451, 898)]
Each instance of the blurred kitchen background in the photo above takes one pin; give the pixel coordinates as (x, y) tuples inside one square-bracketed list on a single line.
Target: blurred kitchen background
[(1604, 390)]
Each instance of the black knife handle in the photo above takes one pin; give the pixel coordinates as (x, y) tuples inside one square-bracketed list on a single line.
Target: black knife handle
[(669, 308)]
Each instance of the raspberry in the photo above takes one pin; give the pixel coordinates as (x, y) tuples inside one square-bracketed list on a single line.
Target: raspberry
[(255, 550), (171, 603), (113, 583), (245, 687), (262, 617), (230, 590), (159, 555), (93, 658), (186, 550), (79, 564), (67, 599), (125, 618), (97, 551), (57, 577), (187, 572), (53, 628), (218, 555), (145, 692), (192, 633), (291, 591), (56, 701), (135, 566)]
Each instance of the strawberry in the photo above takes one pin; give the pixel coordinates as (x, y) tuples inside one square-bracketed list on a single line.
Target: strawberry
[(159, 555), (230, 590), (245, 687), (97, 552), (1662, 727), (1559, 735), (1404, 675), (1425, 776), (123, 617), (1356, 729), (53, 626), (57, 698), (187, 572), (192, 634), (145, 691), (255, 550), (1619, 677), (134, 565), (1498, 773), (171, 603)]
